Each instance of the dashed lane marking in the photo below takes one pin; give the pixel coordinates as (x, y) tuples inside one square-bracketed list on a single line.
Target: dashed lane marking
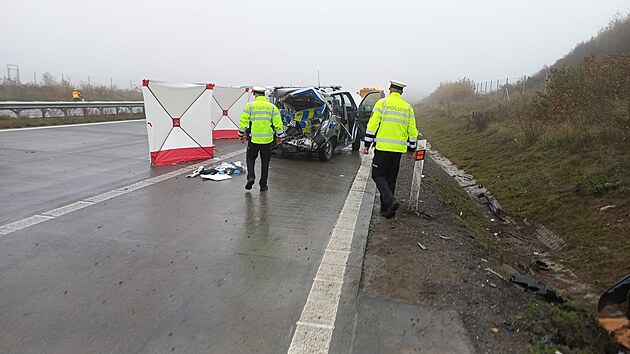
[(54, 213)]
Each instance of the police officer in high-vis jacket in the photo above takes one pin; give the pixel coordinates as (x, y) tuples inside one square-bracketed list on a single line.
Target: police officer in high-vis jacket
[(261, 120), (392, 129)]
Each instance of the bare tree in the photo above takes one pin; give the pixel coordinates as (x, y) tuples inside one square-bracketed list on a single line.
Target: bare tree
[(48, 79)]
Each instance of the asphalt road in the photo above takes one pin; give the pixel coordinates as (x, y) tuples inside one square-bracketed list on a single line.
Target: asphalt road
[(176, 264), (102, 253)]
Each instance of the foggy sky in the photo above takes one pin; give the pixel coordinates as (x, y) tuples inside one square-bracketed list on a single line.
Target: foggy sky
[(245, 42)]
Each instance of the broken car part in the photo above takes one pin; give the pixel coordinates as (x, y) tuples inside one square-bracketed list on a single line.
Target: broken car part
[(535, 286), (617, 294), (195, 173)]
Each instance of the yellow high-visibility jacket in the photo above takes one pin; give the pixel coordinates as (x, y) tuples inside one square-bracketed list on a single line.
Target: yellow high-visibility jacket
[(392, 125), (264, 119)]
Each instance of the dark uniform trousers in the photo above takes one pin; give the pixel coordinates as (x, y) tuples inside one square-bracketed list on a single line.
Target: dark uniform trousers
[(385, 167), (265, 157)]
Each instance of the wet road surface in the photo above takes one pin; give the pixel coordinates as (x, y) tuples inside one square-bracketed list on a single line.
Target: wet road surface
[(102, 253), (182, 265)]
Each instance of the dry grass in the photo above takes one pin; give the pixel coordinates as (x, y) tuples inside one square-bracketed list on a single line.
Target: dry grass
[(562, 187)]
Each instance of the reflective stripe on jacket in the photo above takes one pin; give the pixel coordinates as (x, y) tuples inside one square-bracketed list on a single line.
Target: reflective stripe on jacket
[(392, 125), (263, 117)]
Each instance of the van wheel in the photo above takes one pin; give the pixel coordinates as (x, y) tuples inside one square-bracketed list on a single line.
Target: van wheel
[(326, 151)]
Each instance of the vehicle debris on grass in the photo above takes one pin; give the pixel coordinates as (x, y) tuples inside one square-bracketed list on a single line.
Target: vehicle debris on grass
[(535, 286)]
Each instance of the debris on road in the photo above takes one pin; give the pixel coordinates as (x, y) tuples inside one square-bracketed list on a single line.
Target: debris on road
[(421, 246), (494, 330), (216, 177), (445, 238), (195, 173), (228, 168), (607, 207)]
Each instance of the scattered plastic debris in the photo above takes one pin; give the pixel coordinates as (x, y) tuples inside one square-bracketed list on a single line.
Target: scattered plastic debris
[(225, 168), (195, 173), (494, 330), (421, 246), (445, 237), (535, 286), (216, 177), (607, 207)]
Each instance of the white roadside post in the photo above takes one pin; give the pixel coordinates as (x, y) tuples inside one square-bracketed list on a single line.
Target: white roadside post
[(417, 176)]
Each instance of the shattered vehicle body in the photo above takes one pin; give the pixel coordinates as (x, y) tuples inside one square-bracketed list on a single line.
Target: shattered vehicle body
[(619, 293), (316, 120)]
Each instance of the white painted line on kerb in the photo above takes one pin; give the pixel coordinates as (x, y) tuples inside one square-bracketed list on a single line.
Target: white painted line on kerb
[(54, 213), (315, 327)]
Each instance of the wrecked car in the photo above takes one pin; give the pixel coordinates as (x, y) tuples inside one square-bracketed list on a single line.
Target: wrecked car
[(318, 120), (619, 293)]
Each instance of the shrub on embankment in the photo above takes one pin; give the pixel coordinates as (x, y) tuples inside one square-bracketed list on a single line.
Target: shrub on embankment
[(556, 155)]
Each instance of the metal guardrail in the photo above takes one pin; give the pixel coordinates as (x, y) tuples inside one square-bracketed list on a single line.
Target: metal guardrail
[(66, 106)]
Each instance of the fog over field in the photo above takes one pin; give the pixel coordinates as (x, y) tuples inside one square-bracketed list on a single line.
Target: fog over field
[(351, 43)]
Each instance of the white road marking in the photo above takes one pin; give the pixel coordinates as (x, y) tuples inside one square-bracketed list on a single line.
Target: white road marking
[(68, 208), (315, 327), (24, 223), (51, 214), (68, 125)]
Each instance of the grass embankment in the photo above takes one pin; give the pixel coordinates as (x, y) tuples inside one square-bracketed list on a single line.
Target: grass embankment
[(554, 158), (10, 123), (548, 327), (561, 190)]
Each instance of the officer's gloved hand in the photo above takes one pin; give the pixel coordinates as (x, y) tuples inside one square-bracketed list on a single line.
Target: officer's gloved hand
[(278, 140), (242, 138)]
